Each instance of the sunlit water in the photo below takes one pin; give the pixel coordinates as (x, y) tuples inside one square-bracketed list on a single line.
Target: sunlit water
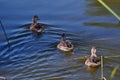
[(35, 57)]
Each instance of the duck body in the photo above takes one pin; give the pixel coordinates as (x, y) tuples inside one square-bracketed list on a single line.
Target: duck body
[(37, 27), (65, 45), (4, 78), (93, 60)]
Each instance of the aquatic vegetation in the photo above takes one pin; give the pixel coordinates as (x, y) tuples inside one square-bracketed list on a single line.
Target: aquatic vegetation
[(109, 9), (5, 34), (113, 72)]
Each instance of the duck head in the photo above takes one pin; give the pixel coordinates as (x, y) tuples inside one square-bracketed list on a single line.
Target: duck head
[(63, 37), (93, 51), (35, 19)]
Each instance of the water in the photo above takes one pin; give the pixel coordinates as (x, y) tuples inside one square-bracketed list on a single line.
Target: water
[(35, 57)]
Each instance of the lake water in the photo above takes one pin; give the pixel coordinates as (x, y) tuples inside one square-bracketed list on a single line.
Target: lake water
[(35, 57)]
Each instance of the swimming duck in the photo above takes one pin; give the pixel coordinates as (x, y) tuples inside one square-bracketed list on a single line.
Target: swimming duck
[(4, 78), (35, 26), (93, 60), (65, 45)]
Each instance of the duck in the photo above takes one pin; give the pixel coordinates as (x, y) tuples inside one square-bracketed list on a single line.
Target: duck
[(4, 78), (35, 26), (65, 45), (93, 60)]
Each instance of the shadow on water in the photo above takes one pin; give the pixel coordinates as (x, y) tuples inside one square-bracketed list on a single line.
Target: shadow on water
[(102, 24), (105, 18), (70, 53)]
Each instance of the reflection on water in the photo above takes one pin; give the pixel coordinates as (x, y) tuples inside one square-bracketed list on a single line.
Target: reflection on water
[(102, 24), (36, 57)]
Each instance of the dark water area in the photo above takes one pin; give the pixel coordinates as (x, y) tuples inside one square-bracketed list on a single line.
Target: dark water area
[(36, 57)]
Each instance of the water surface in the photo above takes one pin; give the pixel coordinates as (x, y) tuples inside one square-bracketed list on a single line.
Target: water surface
[(35, 57)]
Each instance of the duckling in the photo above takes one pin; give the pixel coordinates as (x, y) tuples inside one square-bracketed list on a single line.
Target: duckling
[(35, 26), (65, 45), (4, 78), (93, 60)]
